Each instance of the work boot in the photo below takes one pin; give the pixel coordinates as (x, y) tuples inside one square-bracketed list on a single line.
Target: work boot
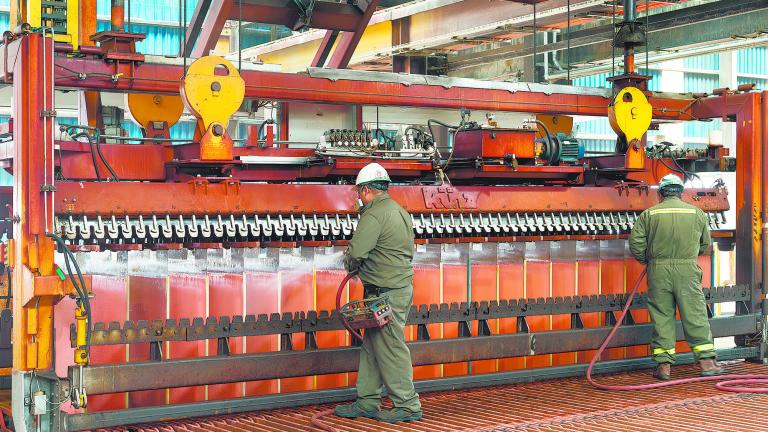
[(398, 415), (354, 410), (709, 367), (662, 371)]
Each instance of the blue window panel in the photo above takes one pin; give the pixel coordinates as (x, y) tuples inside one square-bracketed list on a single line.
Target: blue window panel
[(654, 84), (760, 84), (6, 179), (752, 61), (166, 11), (593, 126), (703, 62), (700, 82), (701, 129), (181, 130), (599, 80), (594, 147), (160, 40), (253, 34), (5, 22)]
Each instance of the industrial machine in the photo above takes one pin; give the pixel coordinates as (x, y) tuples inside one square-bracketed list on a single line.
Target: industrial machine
[(192, 273)]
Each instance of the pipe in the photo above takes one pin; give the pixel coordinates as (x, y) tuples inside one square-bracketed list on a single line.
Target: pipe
[(763, 193), (117, 17), (630, 10), (734, 383), (630, 14)]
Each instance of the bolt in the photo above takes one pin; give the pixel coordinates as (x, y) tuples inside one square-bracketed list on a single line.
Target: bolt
[(216, 86), (218, 130)]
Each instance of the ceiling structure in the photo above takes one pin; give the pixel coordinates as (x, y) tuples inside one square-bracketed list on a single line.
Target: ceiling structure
[(489, 39)]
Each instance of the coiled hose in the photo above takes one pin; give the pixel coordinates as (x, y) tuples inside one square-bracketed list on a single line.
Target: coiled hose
[(733, 383)]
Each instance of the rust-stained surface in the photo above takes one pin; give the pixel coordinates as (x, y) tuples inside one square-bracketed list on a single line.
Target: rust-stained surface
[(557, 405)]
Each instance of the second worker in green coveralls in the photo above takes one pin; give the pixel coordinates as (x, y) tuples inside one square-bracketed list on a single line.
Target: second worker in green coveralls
[(380, 252), (668, 238)]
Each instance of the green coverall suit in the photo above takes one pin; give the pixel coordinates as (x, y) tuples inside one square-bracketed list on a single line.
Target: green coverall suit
[(381, 250), (668, 238)]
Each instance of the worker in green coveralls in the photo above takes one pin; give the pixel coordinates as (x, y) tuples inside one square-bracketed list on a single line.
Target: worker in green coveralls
[(668, 238), (380, 253)]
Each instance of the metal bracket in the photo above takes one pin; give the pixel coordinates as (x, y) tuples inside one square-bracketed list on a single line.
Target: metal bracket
[(310, 322)]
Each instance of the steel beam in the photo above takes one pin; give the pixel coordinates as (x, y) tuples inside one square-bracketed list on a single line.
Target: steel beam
[(195, 26), (349, 40), (683, 26), (210, 30), (221, 198), (325, 15), (325, 48), (117, 378), (77, 422), (432, 92)]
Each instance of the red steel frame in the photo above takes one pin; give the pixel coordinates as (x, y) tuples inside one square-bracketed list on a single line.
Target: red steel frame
[(32, 254), (133, 198)]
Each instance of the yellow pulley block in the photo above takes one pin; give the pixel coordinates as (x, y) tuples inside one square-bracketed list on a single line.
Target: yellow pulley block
[(148, 108), (630, 114), (213, 90)]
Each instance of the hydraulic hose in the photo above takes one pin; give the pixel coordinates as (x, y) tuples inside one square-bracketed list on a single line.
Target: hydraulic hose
[(344, 322), (734, 383)]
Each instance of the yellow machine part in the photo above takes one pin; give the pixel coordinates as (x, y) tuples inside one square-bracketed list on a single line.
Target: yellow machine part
[(81, 355), (213, 90), (146, 108), (31, 12), (556, 124), (630, 114)]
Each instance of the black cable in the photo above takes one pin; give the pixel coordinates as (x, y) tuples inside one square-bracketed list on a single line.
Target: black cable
[(261, 129), (103, 160), (9, 296), (80, 288), (240, 35), (93, 154), (389, 141), (533, 69), (647, 45), (568, 49), (429, 125), (184, 17)]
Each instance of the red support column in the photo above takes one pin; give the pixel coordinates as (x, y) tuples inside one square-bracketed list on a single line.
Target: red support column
[(284, 107), (210, 32), (325, 48), (349, 40), (32, 251)]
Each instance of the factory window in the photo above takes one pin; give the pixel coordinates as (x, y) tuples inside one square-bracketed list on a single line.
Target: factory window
[(761, 84), (166, 12), (707, 62), (695, 82), (752, 61)]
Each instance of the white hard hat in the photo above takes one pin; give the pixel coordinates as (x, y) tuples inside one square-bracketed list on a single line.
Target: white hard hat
[(372, 172), (671, 180)]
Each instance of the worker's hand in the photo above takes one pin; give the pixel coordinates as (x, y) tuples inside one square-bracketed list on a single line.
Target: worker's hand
[(351, 265)]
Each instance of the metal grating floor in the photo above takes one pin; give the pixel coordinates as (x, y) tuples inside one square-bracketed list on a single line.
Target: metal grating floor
[(558, 405)]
